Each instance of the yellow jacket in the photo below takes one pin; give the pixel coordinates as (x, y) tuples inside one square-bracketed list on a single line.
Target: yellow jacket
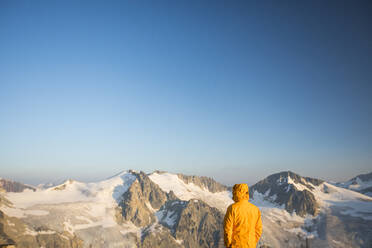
[(242, 223)]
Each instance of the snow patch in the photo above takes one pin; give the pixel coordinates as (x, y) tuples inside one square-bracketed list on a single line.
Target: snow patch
[(171, 182), (299, 186), (148, 205), (354, 203), (167, 217), (34, 233), (303, 232)]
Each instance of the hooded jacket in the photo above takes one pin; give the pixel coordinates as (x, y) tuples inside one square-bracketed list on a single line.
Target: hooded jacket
[(242, 222)]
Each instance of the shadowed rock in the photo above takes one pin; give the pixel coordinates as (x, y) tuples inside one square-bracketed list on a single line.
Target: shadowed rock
[(278, 189), (199, 225), (141, 200), (10, 186)]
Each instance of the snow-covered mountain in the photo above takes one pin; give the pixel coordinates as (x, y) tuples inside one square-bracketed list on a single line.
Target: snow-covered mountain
[(135, 209), (319, 212), (361, 183)]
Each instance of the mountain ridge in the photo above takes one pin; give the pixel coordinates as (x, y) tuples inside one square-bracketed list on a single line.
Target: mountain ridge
[(161, 209), (361, 183)]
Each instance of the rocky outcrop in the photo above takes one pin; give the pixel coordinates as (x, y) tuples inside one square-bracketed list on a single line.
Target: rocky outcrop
[(203, 182), (160, 237), (170, 213), (199, 225), (166, 221), (279, 188), (151, 191), (301, 202), (134, 207), (10, 186), (5, 240), (141, 200)]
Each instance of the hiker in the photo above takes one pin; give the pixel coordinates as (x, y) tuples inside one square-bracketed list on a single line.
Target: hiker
[(242, 223)]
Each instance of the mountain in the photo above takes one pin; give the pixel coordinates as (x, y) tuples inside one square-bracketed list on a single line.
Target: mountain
[(290, 190), (361, 183), (317, 212), (131, 209), (11, 186), (161, 209)]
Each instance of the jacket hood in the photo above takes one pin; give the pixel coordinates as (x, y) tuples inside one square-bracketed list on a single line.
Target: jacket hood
[(240, 192)]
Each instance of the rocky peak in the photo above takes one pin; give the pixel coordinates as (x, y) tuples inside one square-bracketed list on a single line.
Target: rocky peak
[(286, 176), (168, 221), (141, 200), (291, 190)]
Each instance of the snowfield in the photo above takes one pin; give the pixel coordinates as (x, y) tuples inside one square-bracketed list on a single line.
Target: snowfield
[(186, 192), (357, 184), (73, 205)]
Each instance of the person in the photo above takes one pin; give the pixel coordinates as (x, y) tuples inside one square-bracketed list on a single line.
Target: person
[(242, 222)]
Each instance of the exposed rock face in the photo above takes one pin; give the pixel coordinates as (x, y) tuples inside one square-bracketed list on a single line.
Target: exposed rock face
[(199, 225), (151, 191), (279, 189), (134, 207), (167, 221), (10, 186), (158, 236), (4, 238), (302, 202), (204, 182), (170, 213), (141, 200)]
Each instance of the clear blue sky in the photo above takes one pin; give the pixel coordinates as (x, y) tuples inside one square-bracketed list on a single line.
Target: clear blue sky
[(228, 89)]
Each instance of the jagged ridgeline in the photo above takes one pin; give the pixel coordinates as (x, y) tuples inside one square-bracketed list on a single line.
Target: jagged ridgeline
[(203, 182), (168, 221), (131, 209), (279, 188), (161, 209)]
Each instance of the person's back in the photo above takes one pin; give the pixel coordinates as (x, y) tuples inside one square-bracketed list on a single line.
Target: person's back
[(242, 223)]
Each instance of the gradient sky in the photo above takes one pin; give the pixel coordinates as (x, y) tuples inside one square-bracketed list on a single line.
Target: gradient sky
[(228, 89)]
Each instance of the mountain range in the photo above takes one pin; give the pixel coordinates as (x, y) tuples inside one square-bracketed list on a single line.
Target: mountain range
[(161, 209), (361, 183)]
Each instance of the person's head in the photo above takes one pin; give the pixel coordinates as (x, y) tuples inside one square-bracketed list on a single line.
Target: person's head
[(240, 192)]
